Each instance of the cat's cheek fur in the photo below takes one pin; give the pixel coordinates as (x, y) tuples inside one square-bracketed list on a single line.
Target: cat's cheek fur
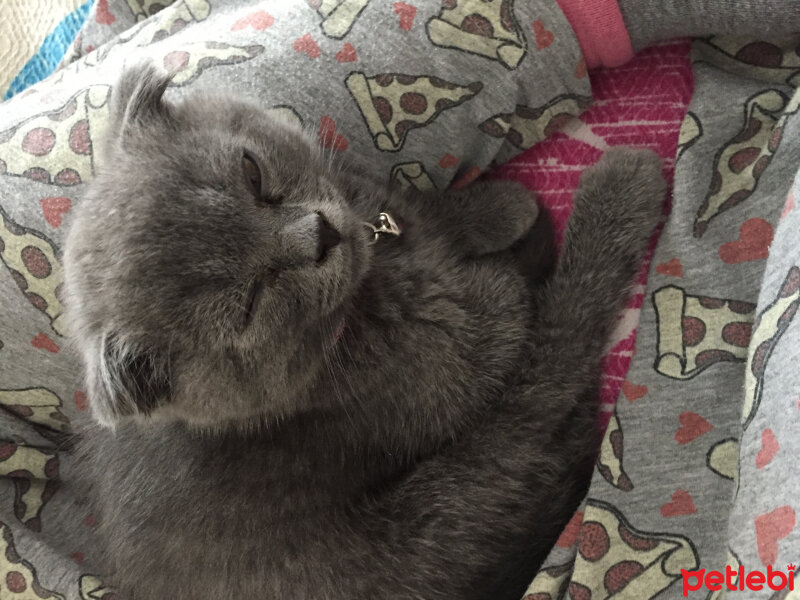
[(219, 393)]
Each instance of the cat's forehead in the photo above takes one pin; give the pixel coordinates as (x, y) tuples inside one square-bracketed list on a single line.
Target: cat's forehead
[(235, 120)]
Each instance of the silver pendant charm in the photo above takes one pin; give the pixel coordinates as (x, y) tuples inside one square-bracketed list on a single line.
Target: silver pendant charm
[(386, 225)]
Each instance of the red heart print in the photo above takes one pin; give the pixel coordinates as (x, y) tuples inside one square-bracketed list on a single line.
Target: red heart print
[(328, 136), (347, 53), (769, 448), (544, 37), (259, 20), (81, 400), (102, 14), (692, 427), (755, 236), (448, 160), (407, 13), (682, 504), (306, 44), (569, 536), (54, 208), (42, 342), (633, 392), (771, 527), (672, 267)]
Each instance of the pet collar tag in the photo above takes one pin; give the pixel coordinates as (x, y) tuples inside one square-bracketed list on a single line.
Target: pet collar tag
[(385, 225)]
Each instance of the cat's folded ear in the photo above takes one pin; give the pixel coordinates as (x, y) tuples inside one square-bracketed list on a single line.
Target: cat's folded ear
[(138, 99), (125, 380)]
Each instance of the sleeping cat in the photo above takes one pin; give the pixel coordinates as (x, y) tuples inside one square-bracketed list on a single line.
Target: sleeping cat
[(290, 404)]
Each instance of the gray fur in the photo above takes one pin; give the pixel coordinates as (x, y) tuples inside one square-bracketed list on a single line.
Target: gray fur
[(434, 450)]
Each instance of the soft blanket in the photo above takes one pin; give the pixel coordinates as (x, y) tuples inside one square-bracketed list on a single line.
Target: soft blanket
[(34, 34), (693, 471)]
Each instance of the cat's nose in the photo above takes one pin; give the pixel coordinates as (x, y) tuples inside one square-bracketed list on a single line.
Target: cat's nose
[(329, 238)]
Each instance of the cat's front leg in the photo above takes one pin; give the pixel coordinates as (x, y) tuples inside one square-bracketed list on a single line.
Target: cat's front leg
[(487, 216)]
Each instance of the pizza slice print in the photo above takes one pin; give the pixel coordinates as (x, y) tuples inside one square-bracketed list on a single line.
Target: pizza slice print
[(392, 104), (411, 175), (609, 462), (56, 146), (38, 406), (188, 63), (617, 560), (92, 588), (287, 115), (767, 331), (550, 583), (528, 125), (739, 165), (34, 472), (691, 131), (18, 579), (33, 262), (723, 458), (338, 16), (486, 28), (695, 332), (143, 9), (775, 61), (170, 20)]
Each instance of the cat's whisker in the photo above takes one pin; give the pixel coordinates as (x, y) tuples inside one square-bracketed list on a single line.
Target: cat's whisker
[(336, 384)]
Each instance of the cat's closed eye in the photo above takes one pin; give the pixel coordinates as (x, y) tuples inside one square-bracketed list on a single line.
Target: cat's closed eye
[(251, 169), (251, 304), (255, 291), (252, 173)]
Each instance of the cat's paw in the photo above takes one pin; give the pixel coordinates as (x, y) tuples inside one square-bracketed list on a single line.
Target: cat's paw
[(622, 195), (512, 210), (496, 214)]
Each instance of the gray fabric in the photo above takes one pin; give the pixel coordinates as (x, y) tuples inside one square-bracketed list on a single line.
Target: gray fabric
[(650, 21)]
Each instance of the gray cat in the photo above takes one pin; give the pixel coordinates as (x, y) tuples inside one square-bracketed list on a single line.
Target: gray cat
[(292, 406)]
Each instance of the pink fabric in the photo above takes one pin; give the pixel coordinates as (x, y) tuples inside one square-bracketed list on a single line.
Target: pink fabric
[(600, 30), (641, 104)]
